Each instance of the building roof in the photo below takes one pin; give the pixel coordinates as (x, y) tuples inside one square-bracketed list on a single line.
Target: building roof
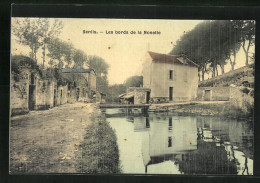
[(121, 95), (129, 95), (165, 58), (74, 70)]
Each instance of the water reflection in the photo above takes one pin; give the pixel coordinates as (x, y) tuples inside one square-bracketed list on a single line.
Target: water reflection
[(172, 144)]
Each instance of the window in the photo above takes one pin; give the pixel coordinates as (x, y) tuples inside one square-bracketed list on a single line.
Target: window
[(83, 92), (171, 74), (170, 121), (169, 141)]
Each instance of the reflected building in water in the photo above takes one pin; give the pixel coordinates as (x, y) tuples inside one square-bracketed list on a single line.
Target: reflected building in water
[(175, 144), (196, 145)]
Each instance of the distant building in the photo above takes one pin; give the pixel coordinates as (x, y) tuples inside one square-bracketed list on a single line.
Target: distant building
[(84, 83), (170, 77), (135, 95)]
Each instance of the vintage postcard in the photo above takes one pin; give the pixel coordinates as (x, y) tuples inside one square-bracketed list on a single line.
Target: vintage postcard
[(131, 96)]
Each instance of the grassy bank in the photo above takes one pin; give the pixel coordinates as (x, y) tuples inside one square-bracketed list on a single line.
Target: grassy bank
[(225, 110), (99, 149)]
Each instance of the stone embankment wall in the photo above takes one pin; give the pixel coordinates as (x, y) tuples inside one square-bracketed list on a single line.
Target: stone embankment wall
[(235, 77), (215, 93), (241, 100)]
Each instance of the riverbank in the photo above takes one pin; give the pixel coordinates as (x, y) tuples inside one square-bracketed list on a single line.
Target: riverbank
[(48, 141), (99, 149), (219, 108)]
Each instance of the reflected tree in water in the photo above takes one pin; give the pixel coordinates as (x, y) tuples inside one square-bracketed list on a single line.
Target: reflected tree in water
[(208, 159)]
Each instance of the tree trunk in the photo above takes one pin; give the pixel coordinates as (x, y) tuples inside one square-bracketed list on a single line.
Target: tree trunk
[(213, 70), (34, 53), (222, 69), (246, 50), (43, 55), (233, 63)]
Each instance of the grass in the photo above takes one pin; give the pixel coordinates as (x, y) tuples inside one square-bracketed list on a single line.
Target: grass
[(225, 110), (99, 149)]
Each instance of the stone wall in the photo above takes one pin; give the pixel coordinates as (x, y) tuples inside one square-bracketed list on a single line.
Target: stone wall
[(241, 100), (72, 95), (45, 93), (140, 97), (19, 97), (62, 93), (216, 93), (140, 94), (40, 95)]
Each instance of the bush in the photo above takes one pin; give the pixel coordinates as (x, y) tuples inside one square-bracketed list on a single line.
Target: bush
[(251, 93), (99, 149), (245, 90), (18, 61)]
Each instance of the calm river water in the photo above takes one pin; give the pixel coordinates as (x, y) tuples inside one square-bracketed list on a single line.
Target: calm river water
[(164, 143)]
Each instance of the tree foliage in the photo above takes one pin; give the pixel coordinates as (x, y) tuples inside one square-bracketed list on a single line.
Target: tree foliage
[(36, 33), (212, 43), (134, 81), (101, 68), (79, 58), (114, 91), (98, 64)]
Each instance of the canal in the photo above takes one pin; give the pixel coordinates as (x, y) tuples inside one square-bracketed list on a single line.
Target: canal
[(168, 143)]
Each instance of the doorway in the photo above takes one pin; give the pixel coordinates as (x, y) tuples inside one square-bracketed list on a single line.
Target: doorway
[(60, 97), (148, 97), (54, 98), (32, 94), (170, 93), (207, 95), (32, 97), (77, 93)]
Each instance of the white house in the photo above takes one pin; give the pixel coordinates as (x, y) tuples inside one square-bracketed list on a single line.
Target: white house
[(170, 77)]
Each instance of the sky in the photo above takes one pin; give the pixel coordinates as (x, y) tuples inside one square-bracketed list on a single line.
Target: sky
[(123, 52)]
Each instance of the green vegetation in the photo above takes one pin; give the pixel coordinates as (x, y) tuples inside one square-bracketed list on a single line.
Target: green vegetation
[(225, 110), (134, 81), (211, 44), (237, 78), (19, 61), (115, 90), (99, 149), (36, 33)]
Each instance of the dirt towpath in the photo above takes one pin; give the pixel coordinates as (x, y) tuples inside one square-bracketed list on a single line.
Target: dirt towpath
[(47, 141)]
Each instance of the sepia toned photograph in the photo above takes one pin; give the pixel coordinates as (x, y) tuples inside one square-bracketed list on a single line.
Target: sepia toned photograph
[(131, 96)]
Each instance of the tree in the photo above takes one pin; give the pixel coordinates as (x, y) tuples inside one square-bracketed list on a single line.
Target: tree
[(114, 91), (36, 33), (134, 81), (61, 51), (79, 58), (234, 43), (210, 44), (48, 32), (101, 68), (28, 34), (98, 64), (248, 35)]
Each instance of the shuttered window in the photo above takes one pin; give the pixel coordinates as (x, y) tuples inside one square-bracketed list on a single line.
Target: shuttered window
[(171, 74)]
